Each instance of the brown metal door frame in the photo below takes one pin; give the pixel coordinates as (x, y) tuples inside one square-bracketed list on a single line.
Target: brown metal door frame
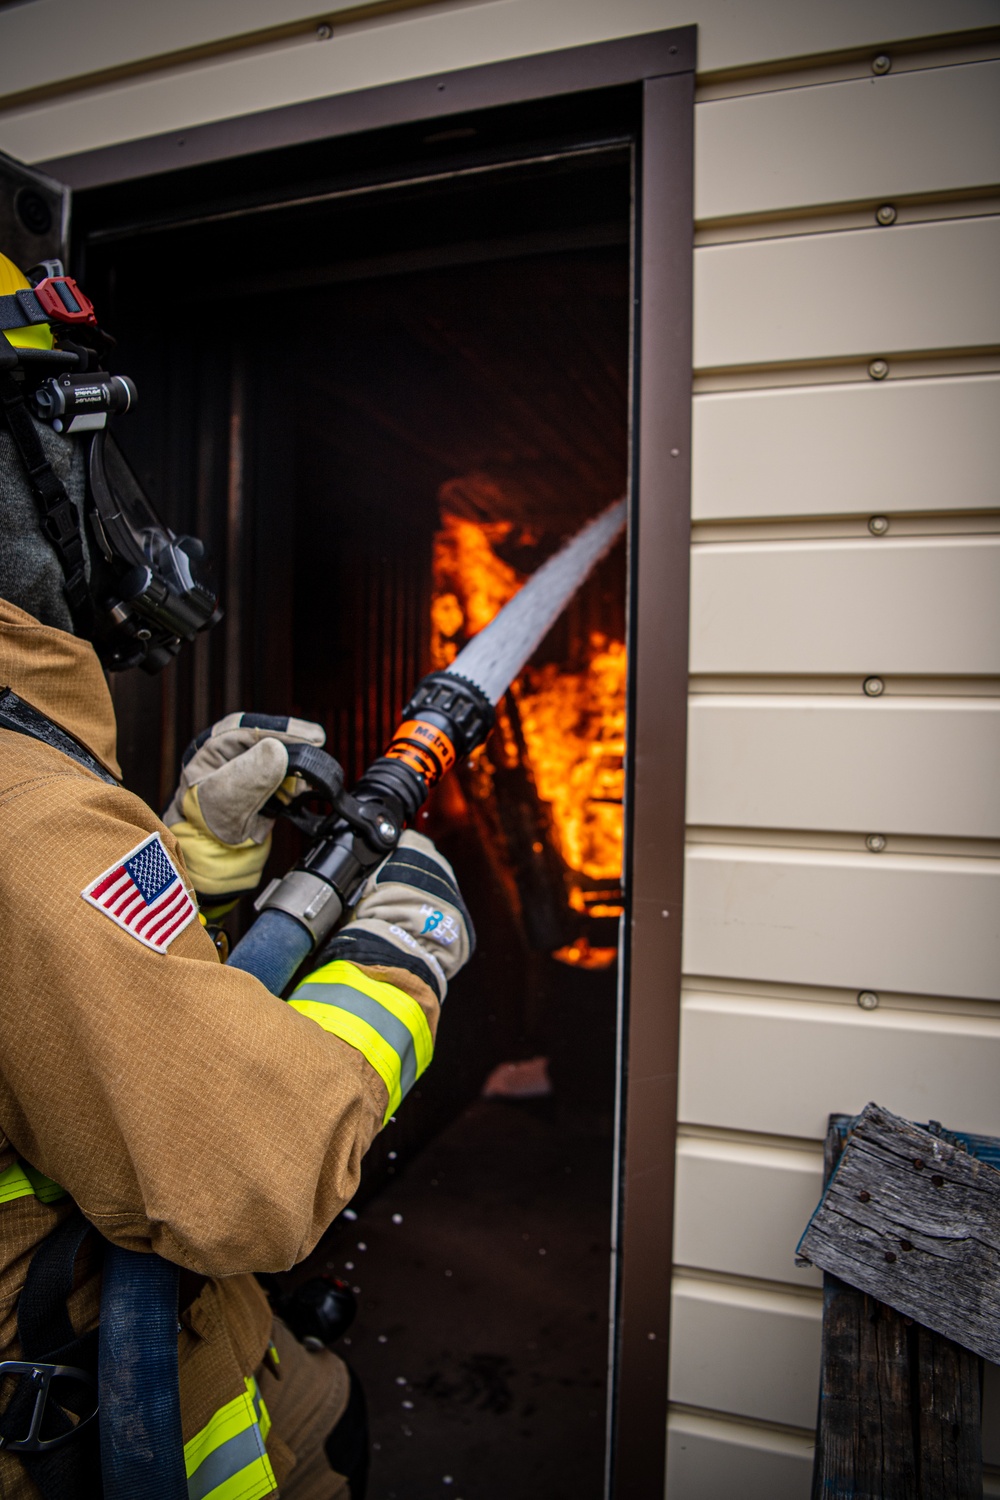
[(651, 977), (661, 65)]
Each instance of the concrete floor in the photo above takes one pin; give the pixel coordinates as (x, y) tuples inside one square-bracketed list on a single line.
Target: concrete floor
[(481, 1336)]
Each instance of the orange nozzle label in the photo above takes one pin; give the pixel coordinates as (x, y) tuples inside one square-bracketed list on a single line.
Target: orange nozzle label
[(424, 748)]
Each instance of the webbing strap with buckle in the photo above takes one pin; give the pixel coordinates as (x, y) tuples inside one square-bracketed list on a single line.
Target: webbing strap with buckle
[(55, 1398), (56, 299), (60, 516)]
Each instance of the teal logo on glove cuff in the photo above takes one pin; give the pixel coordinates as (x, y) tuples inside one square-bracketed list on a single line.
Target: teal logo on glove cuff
[(443, 929)]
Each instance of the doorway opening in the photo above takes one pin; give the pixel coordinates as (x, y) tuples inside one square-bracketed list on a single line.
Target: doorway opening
[(386, 409)]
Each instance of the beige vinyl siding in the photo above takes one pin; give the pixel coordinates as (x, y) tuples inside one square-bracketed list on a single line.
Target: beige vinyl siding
[(376, 49), (858, 292), (754, 1060), (919, 922), (114, 33), (741, 1204), (873, 137), (912, 605), (910, 446), (831, 761), (739, 1347), (795, 601), (709, 1457)]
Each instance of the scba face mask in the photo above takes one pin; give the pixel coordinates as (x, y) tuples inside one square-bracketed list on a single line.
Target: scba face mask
[(148, 589), (155, 585)]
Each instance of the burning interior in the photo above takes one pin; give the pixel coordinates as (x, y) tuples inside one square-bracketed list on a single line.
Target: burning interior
[(387, 411), (549, 787)]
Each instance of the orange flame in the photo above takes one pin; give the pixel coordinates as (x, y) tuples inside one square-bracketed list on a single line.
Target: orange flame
[(573, 722), (471, 584)]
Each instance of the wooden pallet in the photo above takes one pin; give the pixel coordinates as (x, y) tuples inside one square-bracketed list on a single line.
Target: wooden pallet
[(900, 1404)]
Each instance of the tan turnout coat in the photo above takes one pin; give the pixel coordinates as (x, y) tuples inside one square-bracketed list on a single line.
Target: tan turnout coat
[(183, 1107)]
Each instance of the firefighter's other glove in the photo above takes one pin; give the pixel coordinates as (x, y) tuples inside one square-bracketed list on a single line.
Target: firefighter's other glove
[(228, 773), (410, 916)]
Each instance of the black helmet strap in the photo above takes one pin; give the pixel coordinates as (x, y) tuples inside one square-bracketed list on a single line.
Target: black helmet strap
[(59, 515)]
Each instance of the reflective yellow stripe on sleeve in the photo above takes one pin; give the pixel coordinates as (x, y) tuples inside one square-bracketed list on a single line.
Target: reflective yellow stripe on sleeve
[(21, 1181), (385, 1023), (226, 1459)]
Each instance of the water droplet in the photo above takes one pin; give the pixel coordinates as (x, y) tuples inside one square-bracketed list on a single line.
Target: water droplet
[(348, 1265), (406, 1405), (541, 1252), (349, 1214), (392, 1155), (400, 1379), (397, 1218), (362, 1245), (447, 1273), (382, 1339)]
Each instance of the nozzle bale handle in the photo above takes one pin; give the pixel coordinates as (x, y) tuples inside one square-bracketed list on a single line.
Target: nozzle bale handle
[(446, 718)]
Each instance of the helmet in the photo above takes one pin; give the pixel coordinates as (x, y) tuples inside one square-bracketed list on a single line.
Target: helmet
[(12, 280), (133, 587)]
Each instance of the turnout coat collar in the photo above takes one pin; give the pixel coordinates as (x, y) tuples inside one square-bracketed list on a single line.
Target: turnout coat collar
[(61, 677)]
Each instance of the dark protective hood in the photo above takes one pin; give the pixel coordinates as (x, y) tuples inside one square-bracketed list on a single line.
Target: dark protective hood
[(31, 575)]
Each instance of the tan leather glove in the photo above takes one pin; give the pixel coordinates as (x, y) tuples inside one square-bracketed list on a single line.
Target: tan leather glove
[(228, 773), (410, 916)]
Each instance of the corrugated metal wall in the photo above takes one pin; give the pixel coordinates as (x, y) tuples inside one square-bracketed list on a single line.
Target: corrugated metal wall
[(845, 704)]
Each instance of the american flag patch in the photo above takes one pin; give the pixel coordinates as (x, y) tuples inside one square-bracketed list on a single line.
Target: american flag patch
[(145, 895)]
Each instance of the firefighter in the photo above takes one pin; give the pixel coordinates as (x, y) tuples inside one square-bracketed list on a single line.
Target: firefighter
[(147, 1091)]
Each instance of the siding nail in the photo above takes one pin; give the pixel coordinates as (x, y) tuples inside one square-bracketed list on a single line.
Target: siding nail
[(874, 687), (881, 63), (918, 1164), (937, 1181), (905, 1245), (864, 1197), (890, 1256)]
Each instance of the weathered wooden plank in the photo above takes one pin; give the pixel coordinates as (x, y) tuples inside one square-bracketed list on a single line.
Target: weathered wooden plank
[(899, 1415), (914, 1220), (865, 1447), (948, 1396)]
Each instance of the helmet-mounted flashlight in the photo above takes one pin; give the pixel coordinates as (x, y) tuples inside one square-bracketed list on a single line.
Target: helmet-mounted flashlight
[(80, 403)]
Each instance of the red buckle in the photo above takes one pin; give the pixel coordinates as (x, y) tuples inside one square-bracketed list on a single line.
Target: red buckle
[(62, 300)]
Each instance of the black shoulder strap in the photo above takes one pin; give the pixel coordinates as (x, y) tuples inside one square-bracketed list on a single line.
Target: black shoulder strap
[(71, 1470), (60, 516), (19, 716)]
